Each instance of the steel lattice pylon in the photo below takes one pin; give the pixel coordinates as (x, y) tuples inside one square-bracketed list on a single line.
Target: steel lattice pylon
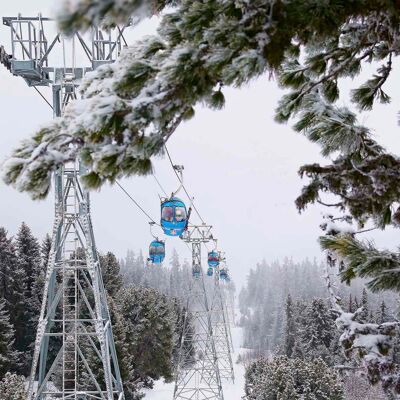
[(221, 330), (74, 356), (230, 313), (197, 374), (228, 300)]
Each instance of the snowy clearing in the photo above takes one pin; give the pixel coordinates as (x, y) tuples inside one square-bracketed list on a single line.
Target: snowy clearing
[(164, 391)]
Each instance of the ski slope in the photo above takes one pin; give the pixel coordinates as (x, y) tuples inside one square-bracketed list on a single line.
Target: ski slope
[(232, 391)]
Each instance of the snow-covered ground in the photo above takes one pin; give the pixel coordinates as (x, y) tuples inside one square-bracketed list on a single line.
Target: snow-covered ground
[(164, 391)]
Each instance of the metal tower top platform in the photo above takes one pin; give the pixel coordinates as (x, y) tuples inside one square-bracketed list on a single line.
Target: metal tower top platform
[(33, 43)]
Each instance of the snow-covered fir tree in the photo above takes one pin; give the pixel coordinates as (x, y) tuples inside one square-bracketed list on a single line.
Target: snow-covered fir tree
[(149, 321), (352, 306), (364, 314), (39, 279), (8, 263), (318, 330), (28, 253), (12, 387), (283, 377), (290, 328), (383, 314), (45, 249), (9, 357), (132, 385), (25, 307), (110, 270), (19, 317)]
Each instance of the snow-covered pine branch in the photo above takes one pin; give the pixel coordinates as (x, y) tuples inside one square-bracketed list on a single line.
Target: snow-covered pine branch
[(73, 15), (129, 109), (369, 344), (362, 259)]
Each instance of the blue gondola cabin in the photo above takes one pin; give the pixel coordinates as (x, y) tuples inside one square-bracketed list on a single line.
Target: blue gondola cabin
[(223, 274), (157, 251), (196, 271), (213, 259), (173, 216)]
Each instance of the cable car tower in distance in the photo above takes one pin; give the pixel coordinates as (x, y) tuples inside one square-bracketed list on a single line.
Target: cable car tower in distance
[(221, 326), (74, 321), (197, 374)]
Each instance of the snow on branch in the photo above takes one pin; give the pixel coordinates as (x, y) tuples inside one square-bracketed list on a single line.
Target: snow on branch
[(74, 15), (363, 259), (369, 344)]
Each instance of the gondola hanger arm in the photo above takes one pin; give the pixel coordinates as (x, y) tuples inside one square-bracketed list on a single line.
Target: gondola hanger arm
[(179, 169)]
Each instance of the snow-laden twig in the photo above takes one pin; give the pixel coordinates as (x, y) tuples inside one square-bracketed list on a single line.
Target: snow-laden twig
[(369, 344)]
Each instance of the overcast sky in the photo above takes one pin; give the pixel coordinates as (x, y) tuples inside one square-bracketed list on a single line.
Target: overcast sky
[(239, 164)]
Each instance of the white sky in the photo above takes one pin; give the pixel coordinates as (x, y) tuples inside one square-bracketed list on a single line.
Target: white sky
[(239, 164)]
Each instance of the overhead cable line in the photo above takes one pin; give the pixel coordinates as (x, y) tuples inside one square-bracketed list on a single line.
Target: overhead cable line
[(44, 98), (159, 184), (183, 186), (185, 190), (137, 204)]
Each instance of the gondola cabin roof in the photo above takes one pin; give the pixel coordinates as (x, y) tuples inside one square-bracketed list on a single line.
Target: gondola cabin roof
[(157, 243), (173, 201)]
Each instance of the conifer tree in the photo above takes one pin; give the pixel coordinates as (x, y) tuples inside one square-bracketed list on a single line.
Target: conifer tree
[(364, 314), (382, 314), (351, 306), (336, 352), (132, 385), (273, 341), (298, 349), (290, 392), (19, 316), (110, 269), (356, 303), (281, 377), (318, 330), (12, 387), (122, 337), (8, 355), (149, 323), (290, 328), (8, 262), (28, 253), (45, 249), (25, 313)]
